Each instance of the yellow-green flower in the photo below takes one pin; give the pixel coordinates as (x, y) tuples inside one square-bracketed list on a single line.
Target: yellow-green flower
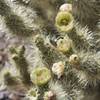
[(64, 45), (64, 21), (40, 76), (32, 94)]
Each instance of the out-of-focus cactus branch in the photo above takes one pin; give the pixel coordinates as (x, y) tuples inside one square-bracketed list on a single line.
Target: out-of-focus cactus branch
[(9, 80), (21, 64), (87, 12)]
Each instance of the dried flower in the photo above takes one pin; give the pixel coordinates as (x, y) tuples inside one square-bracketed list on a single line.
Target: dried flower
[(58, 68), (66, 7), (74, 60), (49, 95)]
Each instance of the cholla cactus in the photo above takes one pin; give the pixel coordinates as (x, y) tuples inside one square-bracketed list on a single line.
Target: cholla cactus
[(59, 92), (64, 94), (86, 68), (92, 15), (49, 54), (51, 33), (13, 22)]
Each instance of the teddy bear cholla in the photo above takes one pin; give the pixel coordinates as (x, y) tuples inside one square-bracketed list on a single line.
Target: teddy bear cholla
[(86, 68)]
